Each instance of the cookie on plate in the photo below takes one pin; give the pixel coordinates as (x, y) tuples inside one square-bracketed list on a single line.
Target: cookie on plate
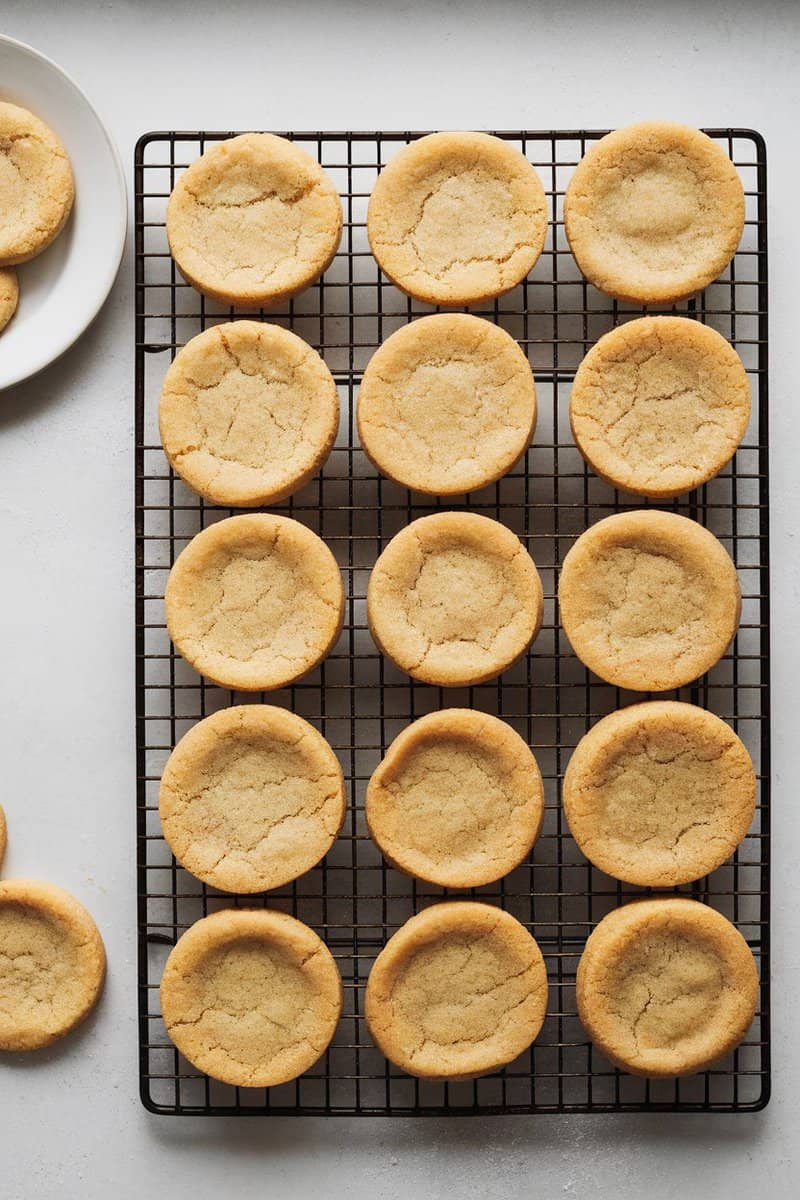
[(251, 996), (254, 221), (447, 404), (456, 218), (9, 295), (654, 212), (36, 184)]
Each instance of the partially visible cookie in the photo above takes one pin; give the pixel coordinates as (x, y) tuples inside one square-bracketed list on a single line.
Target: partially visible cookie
[(666, 986), (52, 964), (457, 799), (456, 218), (254, 220), (9, 295), (659, 794), (654, 212), (649, 600), (460, 990), (251, 997), (250, 798), (36, 184), (454, 599), (447, 404), (248, 413), (255, 601), (659, 405)]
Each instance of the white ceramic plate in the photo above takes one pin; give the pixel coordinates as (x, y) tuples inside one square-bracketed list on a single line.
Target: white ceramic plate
[(62, 290)]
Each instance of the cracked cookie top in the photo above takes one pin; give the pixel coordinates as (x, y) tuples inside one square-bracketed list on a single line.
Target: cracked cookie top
[(457, 800), (456, 218), (454, 599), (254, 220), (52, 964), (460, 990), (654, 212), (255, 601), (666, 986), (251, 997), (447, 404), (9, 295), (659, 794), (250, 798), (659, 405), (248, 413), (649, 600), (36, 184)]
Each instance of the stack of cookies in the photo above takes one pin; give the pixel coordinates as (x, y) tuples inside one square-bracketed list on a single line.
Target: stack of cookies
[(657, 794)]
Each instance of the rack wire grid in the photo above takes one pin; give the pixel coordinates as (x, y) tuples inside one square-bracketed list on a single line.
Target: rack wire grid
[(359, 701)]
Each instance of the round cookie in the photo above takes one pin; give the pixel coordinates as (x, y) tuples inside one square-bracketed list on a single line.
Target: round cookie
[(9, 295), (457, 800), (36, 184), (666, 986), (659, 405), (460, 990), (52, 964), (251, 798), (255, 601), (456, 218), (659, 794), (3, 835), (251, 997), (447, 404), (654, 212), (248, 413), (454, 599), (649, 600), (253, 221)]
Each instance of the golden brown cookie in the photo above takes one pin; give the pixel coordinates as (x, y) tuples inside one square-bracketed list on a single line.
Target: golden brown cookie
[(666, 986), (255, 601), (248, 413), (251, 797), (457, 799), (454, 599), (659, 793), (659, 405), (654, 212), (649, 600), (254, 220), (447, 404), (52, 964), (9, 295), (36, 184), (456, 218), (460, 990), (251, 997)]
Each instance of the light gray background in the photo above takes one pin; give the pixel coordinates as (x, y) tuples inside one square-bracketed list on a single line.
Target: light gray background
[(70, 1121)]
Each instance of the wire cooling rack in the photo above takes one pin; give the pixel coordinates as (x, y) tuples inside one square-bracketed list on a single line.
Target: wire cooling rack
[(360, 702)]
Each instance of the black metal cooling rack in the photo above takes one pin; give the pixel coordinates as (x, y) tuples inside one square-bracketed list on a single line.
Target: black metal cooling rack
[(360, 702)]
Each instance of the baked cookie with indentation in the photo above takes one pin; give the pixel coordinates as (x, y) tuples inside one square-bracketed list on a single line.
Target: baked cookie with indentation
[(454, 599), (255, 601), (649, 600), (456, 218), (251, 997), (659, 405), (254, 221), (666, 986), (460, 990), (457, 799), (447, 404), (654, 212), (248, 413), (659, 794), (251, 798), (52, 964), (9, 295), (36, 184)]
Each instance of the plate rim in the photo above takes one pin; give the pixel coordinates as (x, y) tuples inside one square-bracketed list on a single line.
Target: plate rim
[(67, 341)]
